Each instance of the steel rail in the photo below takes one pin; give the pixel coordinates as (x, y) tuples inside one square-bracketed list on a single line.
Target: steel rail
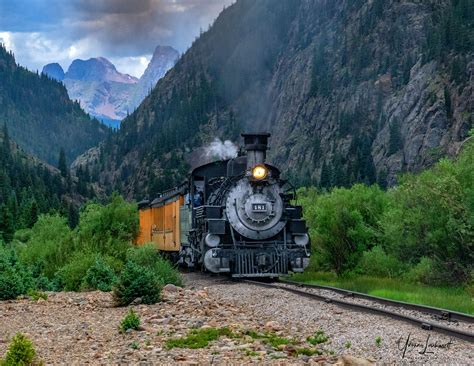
[(426, 325), (443, 314)]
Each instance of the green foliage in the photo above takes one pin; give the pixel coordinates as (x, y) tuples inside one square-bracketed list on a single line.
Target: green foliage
[(51, 256), (197, 338), (130, 321), (308, 351), (71, 276), (49, 247), (423, 272), (11, 284), (36, 295), (376, 262), (149, 257), (431, 216), (15, 279), (318, 338), (344, 223), (108, 229), (378, 341), (423, 229), (20, 352), (100, 276), (137, 281)]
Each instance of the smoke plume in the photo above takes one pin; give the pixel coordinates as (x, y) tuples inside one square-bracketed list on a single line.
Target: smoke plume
[(219, 150)]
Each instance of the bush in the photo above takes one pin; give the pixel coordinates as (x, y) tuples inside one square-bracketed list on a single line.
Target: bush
[(15, 279), (431, 216), (50, 245), (22, 235), (109, 229), (71, 276), (148, 256), (137, 281), (344, 223), (130, 321), (20, 351), (100, 276), (423, 272), (11, 284), (377, 263)]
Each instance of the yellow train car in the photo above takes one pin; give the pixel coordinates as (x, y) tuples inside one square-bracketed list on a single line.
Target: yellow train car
[(162, 219)]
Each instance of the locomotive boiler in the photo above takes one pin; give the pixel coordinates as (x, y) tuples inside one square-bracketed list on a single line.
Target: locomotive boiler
[(233, 216)]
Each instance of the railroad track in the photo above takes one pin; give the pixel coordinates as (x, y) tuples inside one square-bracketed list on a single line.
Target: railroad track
[(415, 314)]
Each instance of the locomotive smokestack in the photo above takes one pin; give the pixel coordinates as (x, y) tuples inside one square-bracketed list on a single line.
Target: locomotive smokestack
[(256, 145)]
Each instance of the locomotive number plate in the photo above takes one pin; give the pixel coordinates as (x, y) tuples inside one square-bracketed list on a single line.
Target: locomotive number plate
[(259, 207)]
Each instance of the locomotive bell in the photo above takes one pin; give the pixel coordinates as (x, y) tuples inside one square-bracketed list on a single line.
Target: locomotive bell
[(256, 146)]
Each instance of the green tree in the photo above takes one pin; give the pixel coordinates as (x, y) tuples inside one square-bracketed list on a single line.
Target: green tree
[(62, 166)]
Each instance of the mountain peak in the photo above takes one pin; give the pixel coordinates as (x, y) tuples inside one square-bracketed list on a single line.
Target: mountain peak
[(163, 51), (163, 59), (54, 70), (97, 69)]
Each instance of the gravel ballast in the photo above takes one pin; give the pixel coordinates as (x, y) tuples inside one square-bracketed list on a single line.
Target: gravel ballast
[(82, 328)]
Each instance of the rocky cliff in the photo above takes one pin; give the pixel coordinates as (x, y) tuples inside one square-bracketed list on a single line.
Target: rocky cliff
[(351, 91)]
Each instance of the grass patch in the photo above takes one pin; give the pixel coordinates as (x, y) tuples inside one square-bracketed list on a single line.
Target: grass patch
[(308, 351), (199, 338), (318, 338), (452, 298), (36, 295), (251, 353), (270, 338)]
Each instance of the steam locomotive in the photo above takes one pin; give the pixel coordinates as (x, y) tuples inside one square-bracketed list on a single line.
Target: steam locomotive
[(233, 216)]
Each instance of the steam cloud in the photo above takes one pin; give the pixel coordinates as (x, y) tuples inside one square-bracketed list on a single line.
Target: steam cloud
[(221, 150)]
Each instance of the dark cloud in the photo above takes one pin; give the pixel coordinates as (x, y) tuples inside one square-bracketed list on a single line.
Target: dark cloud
[(132, 27), (110, 28)]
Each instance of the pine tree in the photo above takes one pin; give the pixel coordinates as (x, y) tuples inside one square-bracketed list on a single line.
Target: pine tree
[(325, 180), (6, 147), (395, 141), (62, 163), (73, 216), (447, 102), (7, 224)]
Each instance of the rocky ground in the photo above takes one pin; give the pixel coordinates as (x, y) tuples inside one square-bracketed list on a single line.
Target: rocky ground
[(82, 328)]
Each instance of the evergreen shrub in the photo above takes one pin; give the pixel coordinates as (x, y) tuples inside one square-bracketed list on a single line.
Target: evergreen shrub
[(100, 276), (20, 352), (137, 281)]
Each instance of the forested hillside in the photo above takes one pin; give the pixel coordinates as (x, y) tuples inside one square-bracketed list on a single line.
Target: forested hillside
[(353, 91), (40, 116), (29, 187)]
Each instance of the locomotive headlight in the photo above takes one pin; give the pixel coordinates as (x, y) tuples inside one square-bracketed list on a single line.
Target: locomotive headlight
[(301, 240), (260, 172), (212, 240)]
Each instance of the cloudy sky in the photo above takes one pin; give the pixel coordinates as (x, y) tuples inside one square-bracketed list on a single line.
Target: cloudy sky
[(124, 31)]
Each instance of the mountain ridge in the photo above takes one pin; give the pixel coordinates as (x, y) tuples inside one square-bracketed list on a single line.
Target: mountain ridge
[(351, 92), (40, 116), (106, 93)]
